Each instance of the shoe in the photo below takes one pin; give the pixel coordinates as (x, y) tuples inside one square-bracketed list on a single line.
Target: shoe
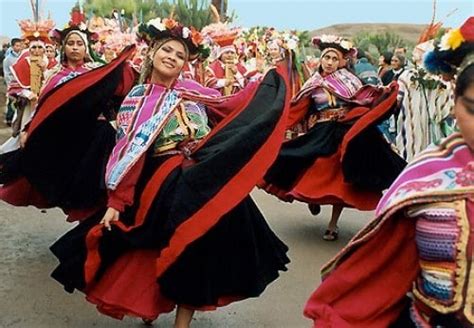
[(331, 235), (315, 209)]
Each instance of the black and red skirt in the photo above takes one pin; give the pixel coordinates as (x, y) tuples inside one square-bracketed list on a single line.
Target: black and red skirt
[(345, 162), (193, 237)]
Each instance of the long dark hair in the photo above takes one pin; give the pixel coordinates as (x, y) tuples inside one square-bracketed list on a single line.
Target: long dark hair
[(464, 80)]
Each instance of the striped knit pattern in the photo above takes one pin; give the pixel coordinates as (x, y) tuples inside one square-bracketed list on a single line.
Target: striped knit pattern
[(436, 237)]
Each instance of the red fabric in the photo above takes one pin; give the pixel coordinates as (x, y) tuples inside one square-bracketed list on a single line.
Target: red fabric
[(129, 287), (298, 111), (467, 29), (21, 193), (330, 187), (368, 288), (21, 70), (219, 71), (52, 62), (233, 103), (60, 96), (128, 80)]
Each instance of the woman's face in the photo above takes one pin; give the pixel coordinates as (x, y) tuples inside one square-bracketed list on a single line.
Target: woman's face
[(274, 51), (464, 112), (381, 60), (329, 62), (169, 59), (75, 48), (50, 52), (396, 63)]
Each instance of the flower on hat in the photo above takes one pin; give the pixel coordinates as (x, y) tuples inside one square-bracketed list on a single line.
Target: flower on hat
[(329, 38), (290, 41), (170, 23), (451, 40), (196, 37), (156, 23), (158, 28), (346, 44), (186, 32)]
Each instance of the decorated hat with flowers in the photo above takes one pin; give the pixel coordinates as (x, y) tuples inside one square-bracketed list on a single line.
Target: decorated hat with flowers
[(454, 51), (77, 25), (326, 41), (222, 36), (158, 29), (36, 32), (287, 40)]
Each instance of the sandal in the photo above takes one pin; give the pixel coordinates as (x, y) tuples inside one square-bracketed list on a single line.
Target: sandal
[(331, 235), (315, 209)]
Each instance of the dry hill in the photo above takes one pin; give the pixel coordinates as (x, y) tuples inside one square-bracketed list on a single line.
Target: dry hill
[(409, 32)]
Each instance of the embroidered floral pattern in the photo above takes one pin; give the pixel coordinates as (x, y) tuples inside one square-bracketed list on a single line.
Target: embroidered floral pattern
[(421, 185), (465, 177)]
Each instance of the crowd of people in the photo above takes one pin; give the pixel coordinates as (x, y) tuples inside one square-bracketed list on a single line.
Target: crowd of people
[(153, 136)]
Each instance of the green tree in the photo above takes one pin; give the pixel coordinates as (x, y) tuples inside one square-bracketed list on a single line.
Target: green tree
[(380, 41), (188, 12)]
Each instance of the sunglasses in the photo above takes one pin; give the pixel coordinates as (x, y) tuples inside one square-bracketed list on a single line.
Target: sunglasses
[(36, 47)]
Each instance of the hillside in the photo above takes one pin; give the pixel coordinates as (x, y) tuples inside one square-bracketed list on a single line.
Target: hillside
[(409, 32)]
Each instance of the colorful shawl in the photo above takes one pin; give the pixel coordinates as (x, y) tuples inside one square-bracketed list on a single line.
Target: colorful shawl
[(142, 117), (61, 74), (344, 85), (380, 263)]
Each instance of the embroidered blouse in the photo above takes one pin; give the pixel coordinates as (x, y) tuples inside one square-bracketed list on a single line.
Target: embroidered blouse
[(188, 123)]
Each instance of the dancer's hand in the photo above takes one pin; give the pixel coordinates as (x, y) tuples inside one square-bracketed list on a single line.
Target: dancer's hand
[(110, 215)]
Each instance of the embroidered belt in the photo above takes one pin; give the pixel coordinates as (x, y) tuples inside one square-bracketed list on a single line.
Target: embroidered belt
[(184, 147), (333, 114)]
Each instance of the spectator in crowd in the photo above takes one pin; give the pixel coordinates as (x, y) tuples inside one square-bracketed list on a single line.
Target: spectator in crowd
[(365, 70), (11, 56), (384, 63)]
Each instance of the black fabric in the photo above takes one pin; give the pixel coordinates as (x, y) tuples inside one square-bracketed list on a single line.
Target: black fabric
[(438, 320), (9, 168), (404, 320), (238, 256), (65, 157), (298, 154), (370, 163)]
